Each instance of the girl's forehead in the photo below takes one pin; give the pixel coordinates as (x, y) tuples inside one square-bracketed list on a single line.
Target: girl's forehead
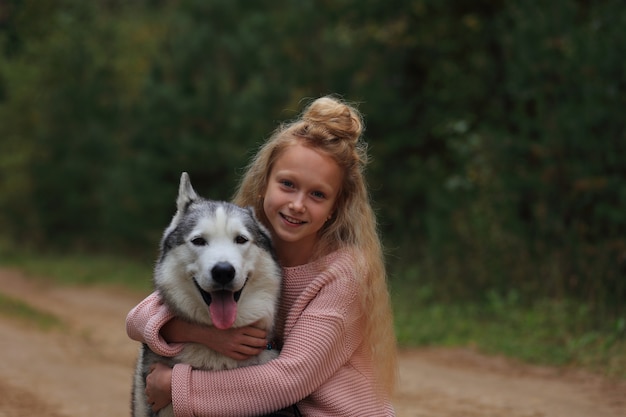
[(309, 163), (297, 155)]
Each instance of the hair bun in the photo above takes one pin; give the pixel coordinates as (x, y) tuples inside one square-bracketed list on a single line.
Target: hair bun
[(336, 117)]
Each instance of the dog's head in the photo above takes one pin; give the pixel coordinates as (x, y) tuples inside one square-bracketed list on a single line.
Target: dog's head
[(209, 252)]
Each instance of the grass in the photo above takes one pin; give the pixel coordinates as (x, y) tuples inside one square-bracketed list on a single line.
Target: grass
[(17, 309), (550, 332), (83, 269)]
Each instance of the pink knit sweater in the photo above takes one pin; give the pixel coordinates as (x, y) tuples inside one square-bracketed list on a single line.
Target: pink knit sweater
[(323, 365)]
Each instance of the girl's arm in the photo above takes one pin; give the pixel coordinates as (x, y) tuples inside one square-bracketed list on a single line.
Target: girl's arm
[(237, 343), (319, 344), (144, 323), (151, 322)]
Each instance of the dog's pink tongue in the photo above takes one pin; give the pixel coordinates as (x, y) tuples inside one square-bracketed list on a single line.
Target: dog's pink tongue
[(223, 309)]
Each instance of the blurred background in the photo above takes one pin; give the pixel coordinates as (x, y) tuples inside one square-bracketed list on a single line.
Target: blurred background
[(496, 130)]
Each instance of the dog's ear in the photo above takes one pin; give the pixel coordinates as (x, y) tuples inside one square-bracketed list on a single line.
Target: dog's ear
[(263, 236), (186, 196), (186, 193)]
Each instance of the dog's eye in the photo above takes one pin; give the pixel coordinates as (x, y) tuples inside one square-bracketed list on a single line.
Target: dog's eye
[(240, 240), (199, 241)]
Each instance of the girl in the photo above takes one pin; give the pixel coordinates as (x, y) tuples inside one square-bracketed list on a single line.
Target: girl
[(338, 356)]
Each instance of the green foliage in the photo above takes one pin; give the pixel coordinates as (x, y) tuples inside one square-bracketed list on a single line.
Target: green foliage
[(495, 127), (513, 171)]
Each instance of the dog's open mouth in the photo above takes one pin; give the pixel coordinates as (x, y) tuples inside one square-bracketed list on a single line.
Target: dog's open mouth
[(222, 305)]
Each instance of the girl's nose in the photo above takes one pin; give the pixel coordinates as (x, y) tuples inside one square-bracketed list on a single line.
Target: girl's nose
[(297, 204)]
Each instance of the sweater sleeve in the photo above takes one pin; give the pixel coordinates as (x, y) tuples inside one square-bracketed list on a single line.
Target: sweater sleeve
[(321, 341), (144, 323)]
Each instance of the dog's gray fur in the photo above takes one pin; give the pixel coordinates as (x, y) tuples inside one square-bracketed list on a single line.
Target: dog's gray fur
[(211, 250)]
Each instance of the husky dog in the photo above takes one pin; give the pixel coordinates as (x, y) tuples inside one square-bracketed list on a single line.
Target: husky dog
[(216, 267)]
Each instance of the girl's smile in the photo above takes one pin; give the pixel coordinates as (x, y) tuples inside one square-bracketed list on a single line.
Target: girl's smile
[(301, 192), (291, 220)]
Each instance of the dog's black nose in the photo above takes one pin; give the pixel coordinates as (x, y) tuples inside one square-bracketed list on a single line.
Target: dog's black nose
[(223, 272)]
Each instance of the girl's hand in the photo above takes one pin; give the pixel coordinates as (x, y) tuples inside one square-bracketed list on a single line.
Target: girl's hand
[(159, 386), (239, 343), (236, 343)]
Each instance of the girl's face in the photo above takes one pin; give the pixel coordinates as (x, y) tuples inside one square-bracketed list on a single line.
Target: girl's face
[(300, 197)]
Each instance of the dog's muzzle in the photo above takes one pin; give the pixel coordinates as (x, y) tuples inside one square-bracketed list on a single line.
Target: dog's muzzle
[(206, 296), (222, 303), (223, 273)]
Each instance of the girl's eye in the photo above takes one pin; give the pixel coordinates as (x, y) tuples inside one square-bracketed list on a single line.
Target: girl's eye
[(318, 194), (199, 241), (287, 183), (240, 240)]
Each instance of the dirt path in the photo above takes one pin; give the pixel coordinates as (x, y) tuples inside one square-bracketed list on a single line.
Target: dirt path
[(85, 367)]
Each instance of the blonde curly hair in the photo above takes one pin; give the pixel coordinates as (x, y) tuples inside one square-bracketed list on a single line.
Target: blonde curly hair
[(334, 127)]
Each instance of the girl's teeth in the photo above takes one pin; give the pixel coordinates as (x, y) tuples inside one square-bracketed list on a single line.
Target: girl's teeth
[(292, 220)]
